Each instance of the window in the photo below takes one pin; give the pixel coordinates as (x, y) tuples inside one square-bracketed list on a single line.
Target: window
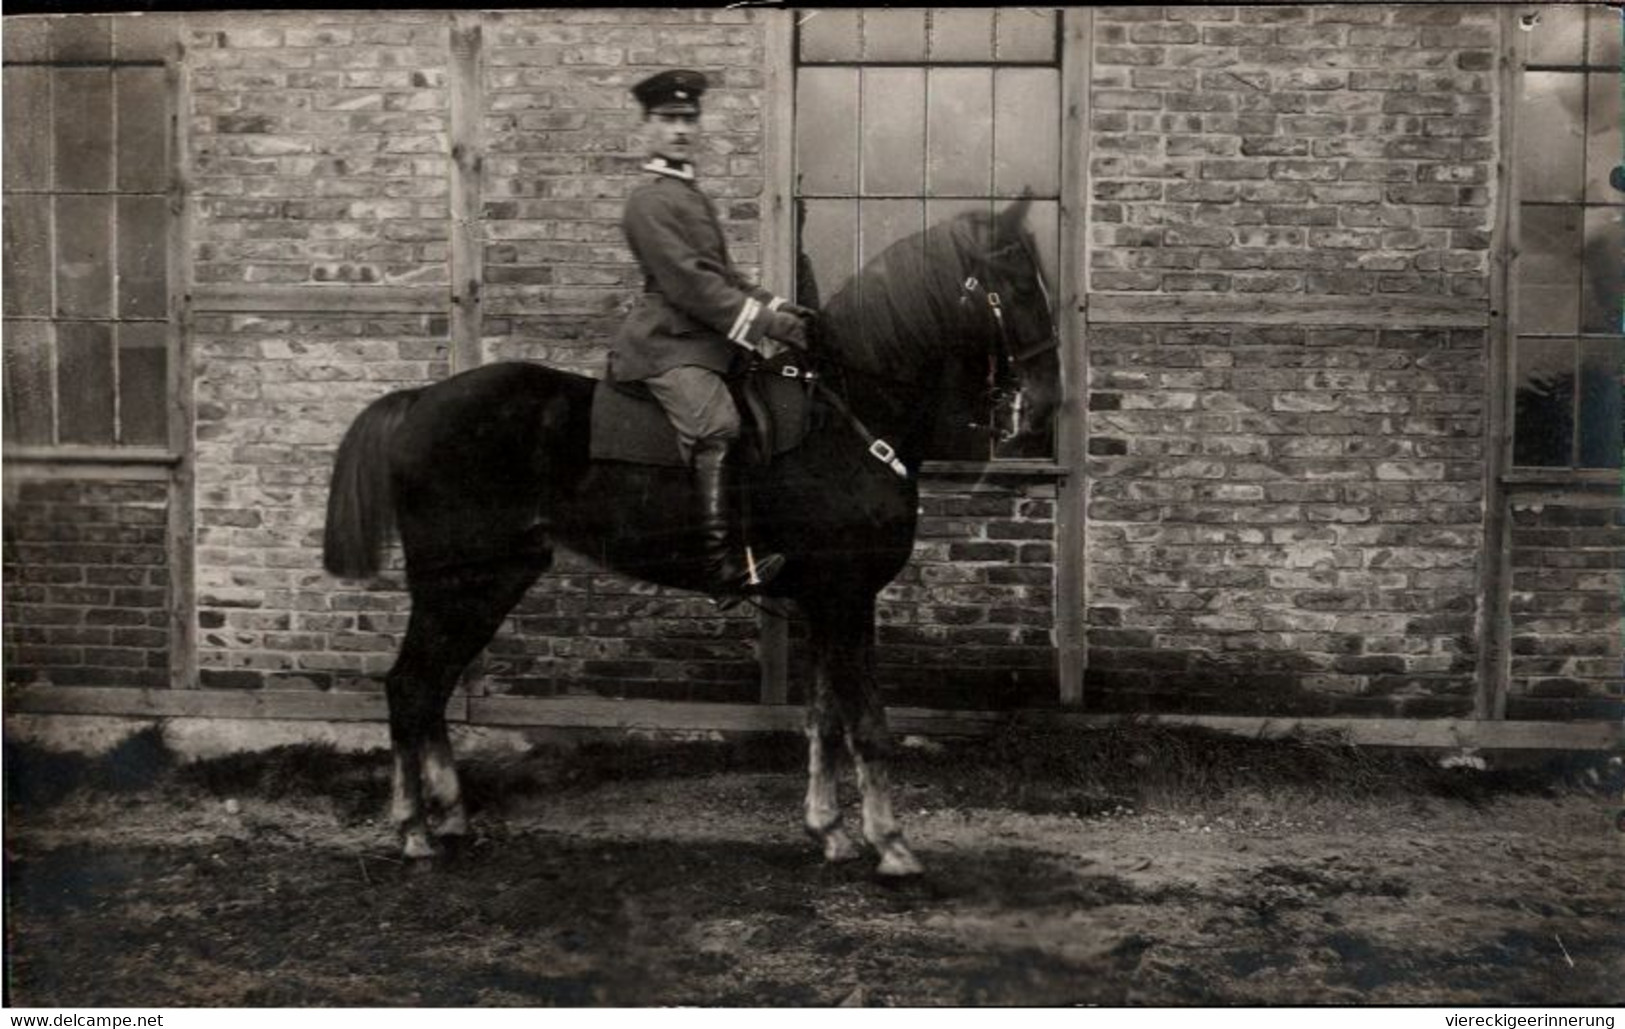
[(1569, 351), (86, 255), (906, 117)]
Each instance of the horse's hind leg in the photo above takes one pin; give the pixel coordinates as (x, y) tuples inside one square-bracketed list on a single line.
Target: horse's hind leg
[(454, 615)]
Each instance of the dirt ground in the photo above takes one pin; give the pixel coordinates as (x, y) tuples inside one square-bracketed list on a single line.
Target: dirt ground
[(1168, 868)]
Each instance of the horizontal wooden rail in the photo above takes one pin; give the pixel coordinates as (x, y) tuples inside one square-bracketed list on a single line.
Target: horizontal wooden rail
[(677, 716), (343, 299), (1382, 312)]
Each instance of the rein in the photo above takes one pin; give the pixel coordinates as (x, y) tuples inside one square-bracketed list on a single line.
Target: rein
[(1003, 387)]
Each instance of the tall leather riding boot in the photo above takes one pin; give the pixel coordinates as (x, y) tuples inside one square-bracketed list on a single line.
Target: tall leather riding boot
[(724, 560)]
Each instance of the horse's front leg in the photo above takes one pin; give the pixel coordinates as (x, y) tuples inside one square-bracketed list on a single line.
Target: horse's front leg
[(824, 740), (843, 641), (871, 745)]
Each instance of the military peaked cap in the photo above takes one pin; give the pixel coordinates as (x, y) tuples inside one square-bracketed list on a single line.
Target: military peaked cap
[(678, 88)]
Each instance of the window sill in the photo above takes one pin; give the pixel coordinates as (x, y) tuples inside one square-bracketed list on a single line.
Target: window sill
[(69, 455), (1012, 468), (1561, 477)]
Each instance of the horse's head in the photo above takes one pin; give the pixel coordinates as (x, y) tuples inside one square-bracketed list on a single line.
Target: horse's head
[(1013, 322), (959, 311)]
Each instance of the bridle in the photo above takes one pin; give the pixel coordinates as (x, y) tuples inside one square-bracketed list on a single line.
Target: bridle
[(1003, 385)]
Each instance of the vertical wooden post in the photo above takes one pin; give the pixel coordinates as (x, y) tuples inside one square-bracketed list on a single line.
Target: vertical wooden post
[(1072, 449), (467, 165), (467, 270), (181, 536), (1495, 557), (778, 267)]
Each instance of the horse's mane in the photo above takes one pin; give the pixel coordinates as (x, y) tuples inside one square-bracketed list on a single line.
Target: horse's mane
[(893, 315)]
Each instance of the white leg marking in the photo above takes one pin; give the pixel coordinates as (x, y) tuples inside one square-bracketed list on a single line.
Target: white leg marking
[(823, 802), (440, 782), (879, 822)]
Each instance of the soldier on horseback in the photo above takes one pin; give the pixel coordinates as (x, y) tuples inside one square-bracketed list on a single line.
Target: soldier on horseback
[(696, 318)]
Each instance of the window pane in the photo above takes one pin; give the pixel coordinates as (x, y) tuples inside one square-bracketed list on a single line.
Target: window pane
[(830, 35), (1602, 142), (1543, 426), (883, 222), (959, 132), (1026, 131), (28, 139), (143, 368), (893, 35), (143, 255), (84, 283), (85, 381), (1550, 137), (1549, 269), (893, 131), (1558, 37), (82, 38), (27, 256), (1606, 30), (961, 34), (827, 130), (829, 249), (143, 159), (84, 128), (1602, 415), (27, 353), (1604, 268), (1025, 34)]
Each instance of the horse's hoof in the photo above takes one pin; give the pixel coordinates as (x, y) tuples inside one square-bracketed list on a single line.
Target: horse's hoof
[(453, 823), (416, 846), (897, 862), (838, 847)]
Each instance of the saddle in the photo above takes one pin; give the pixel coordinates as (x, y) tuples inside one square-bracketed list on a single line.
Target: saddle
[(628, 423)]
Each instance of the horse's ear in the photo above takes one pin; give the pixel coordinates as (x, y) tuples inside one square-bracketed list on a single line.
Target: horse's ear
[(1013, 217)]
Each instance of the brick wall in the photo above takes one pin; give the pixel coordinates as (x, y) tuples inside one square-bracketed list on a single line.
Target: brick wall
[(86, 587), (318, 147), (274, 395), (1284, 519), (1336, 149), (1568, 599)]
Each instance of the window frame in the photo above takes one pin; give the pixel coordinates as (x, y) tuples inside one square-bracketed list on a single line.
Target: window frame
[(113, 43), (1502, 420), (1070, 60)]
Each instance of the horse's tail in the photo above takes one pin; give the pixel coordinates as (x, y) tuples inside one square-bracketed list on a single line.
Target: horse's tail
[(361, 498)]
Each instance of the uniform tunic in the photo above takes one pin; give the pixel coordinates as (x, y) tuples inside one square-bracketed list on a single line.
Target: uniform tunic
[(696, 308)]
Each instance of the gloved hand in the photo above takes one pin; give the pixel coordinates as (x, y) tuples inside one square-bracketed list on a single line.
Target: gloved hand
[(804, 313), (787, 328)]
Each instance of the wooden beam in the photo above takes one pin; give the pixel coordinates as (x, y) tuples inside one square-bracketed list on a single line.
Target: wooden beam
[(467, 164), (343, 299), (1072, 428), (673, 716), (778, 235), (1494, 621), (1381, 311), (180, 527)]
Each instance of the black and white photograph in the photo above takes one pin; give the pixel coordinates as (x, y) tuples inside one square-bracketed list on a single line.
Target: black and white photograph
[(762, 506)]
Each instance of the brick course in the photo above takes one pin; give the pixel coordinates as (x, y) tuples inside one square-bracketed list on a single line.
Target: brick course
[(1567, 604), (1218, 132), (86, 588)]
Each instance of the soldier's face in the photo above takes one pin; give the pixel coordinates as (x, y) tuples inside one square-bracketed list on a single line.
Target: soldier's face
[(673, 135)]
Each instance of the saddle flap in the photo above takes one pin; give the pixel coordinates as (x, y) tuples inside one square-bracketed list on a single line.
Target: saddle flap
[(628, 424)]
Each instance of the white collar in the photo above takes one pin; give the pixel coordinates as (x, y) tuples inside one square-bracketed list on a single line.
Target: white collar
[(676, 169)]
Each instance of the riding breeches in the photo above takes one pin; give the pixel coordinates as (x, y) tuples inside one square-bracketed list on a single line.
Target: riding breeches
[(699, 405)]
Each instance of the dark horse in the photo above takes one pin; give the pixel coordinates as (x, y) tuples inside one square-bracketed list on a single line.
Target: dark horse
[(483, 472)]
